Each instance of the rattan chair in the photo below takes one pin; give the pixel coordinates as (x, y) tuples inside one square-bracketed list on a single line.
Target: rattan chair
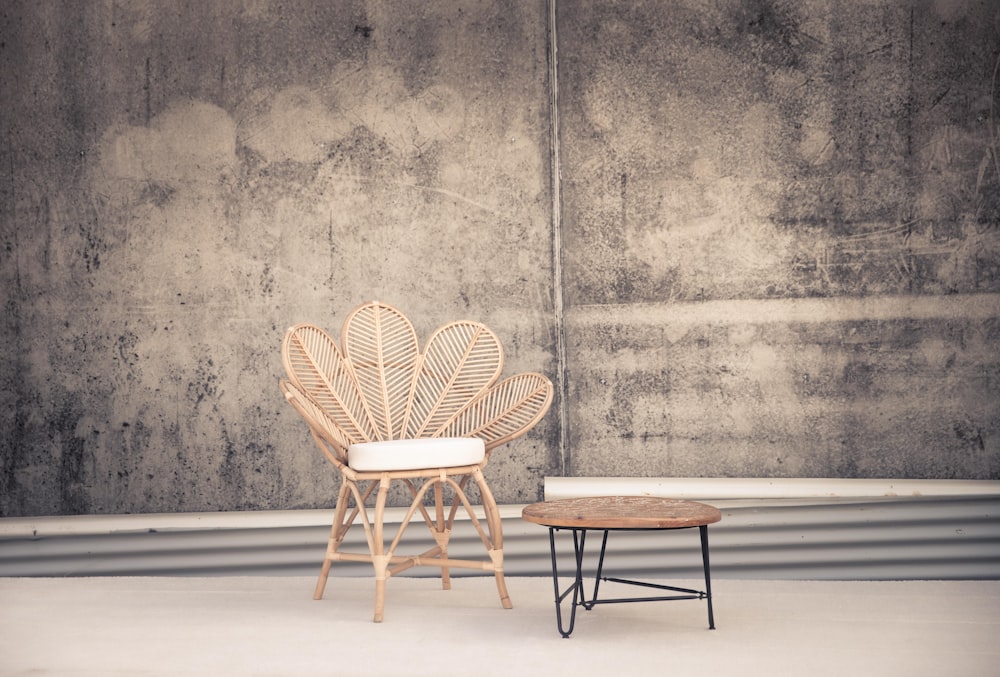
[(384, 411)]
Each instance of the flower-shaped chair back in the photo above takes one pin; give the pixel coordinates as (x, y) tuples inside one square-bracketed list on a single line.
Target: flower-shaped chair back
[(378, 385)]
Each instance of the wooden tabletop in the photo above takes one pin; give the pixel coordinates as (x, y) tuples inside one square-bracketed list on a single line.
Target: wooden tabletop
[(621, 512)]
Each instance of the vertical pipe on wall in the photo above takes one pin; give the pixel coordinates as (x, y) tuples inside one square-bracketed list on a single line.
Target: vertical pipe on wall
[(557, 269)]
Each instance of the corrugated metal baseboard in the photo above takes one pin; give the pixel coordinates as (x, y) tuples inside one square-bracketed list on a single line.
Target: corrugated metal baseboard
[(936, 532)]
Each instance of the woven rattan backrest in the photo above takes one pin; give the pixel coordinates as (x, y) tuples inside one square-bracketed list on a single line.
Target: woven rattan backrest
[(381, 386)]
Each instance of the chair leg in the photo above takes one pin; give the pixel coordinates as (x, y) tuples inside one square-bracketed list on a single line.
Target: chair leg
[(324, 574), (442, 534), (379, 560), (495, 526), (502, 587), (333, 543)]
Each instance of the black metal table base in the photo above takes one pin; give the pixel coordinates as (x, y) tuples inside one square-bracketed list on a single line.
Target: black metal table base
[(577, 588)]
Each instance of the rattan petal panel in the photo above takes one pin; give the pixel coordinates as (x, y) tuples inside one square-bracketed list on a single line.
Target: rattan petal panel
[(461, 360), (381, 346), (320, 423), (507, 410), (316, 366)]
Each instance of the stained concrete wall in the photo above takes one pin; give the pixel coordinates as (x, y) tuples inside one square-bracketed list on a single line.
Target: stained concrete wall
[(772, 248), (183, 181), (781, 238)]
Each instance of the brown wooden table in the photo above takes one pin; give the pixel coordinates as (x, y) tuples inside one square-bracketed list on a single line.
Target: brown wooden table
[(613, 513)]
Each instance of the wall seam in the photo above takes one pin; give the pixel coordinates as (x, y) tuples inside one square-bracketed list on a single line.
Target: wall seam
[(557, 251)]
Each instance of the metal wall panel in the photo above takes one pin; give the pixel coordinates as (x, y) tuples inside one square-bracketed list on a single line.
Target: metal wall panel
[(859, 538)]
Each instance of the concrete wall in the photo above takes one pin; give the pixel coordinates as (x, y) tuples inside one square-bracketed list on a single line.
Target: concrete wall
[(781, 238), (763, 242)]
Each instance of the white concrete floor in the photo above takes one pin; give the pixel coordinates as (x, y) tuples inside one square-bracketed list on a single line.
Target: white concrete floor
[(271, 626)]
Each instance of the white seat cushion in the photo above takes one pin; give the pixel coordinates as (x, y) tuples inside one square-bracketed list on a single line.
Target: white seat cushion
[(436, 452)]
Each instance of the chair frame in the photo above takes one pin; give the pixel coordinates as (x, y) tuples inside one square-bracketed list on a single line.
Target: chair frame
[(343, 404)]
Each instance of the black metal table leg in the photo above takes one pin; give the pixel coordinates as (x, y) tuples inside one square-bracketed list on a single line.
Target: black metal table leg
[(600, 569), (708, 576), (576, 587)]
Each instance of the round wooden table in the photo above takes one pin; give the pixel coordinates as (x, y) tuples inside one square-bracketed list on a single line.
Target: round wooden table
[(612, 513)]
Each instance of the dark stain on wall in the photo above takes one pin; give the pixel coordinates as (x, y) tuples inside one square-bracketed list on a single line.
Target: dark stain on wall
[(631, 388), (72, 451)]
